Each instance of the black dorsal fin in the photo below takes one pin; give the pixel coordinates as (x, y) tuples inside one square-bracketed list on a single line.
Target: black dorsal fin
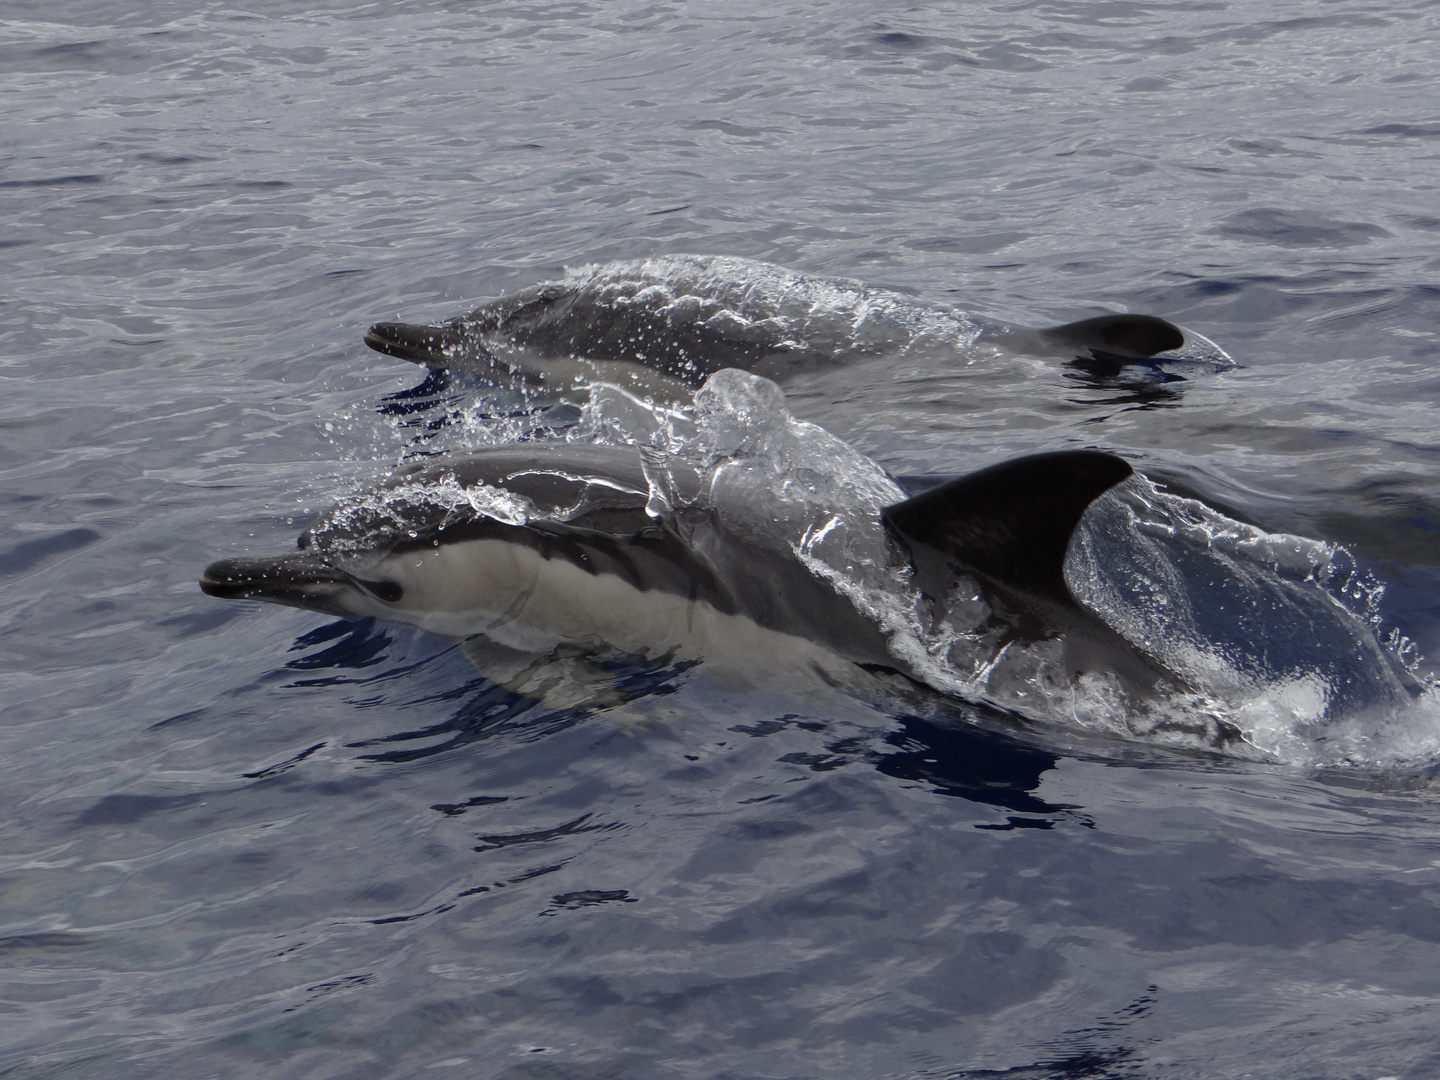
[(1011, 522), (1112, 339), (1117, 337)]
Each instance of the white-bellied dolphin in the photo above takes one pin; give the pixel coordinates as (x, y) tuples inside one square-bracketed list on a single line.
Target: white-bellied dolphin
[(662, 326), (551, 548)]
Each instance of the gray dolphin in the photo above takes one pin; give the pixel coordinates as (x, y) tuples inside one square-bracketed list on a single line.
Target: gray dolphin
[(662, 326)]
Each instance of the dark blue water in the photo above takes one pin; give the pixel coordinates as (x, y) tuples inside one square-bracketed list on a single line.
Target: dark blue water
[(240, 840)]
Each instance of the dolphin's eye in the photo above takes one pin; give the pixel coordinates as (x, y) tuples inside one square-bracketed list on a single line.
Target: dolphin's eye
[(389, 591)]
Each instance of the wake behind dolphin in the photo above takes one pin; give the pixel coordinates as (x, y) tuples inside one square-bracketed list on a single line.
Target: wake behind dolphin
[(662, 326), (1059, 587)]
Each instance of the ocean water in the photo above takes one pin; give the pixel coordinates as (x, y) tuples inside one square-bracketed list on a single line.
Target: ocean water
[(243, 840)]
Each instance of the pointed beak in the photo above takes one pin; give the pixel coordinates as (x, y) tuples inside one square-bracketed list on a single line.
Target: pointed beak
[(290, 578), (433, 346)]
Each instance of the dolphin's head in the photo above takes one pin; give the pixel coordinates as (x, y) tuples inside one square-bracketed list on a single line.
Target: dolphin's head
[(473, 581), (456, 548)]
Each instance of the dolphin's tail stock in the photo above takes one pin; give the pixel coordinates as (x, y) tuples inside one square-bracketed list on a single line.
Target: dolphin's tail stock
[(1011, 523)]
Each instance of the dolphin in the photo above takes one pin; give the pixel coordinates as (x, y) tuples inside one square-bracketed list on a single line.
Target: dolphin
[(535, 551), (661, 326)]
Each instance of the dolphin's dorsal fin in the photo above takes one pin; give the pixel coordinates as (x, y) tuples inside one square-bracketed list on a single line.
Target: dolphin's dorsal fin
[(1011, 522), (1118, 337)]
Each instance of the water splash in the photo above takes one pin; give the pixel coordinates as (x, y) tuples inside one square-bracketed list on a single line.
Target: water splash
[(1284, 632), (375, 518)]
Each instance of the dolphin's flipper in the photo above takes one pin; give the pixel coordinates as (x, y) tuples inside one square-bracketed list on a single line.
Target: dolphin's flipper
[(1011, 522), (565, 679)]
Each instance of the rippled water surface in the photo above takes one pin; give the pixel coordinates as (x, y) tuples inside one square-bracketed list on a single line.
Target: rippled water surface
[(244, 840)]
